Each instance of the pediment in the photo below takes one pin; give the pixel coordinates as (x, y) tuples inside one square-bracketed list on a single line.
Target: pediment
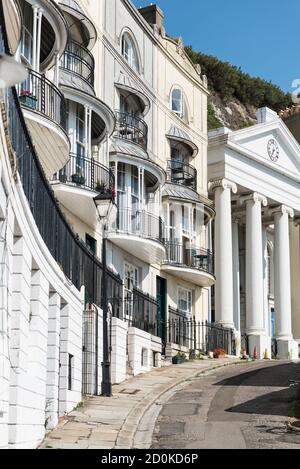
[(272, 144)]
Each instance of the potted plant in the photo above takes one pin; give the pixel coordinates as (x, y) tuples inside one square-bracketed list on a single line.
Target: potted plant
[(63, 178), (78, 178), (101, 187), (28, 99), (179, 358), (219, 353)]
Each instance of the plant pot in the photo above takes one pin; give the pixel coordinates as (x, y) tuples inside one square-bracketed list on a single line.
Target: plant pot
[(78, 179), (178, 360), (63, 178), (28, 100), (219, 356)]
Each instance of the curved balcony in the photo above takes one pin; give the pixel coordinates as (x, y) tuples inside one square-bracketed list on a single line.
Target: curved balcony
[(140, 233), (182, 174), (194, 265), (132, 129), (79, 23), (79, 61), (44, 109), (82, 177)]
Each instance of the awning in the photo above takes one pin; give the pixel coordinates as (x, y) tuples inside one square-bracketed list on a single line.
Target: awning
[(181, 136), (127, 84)]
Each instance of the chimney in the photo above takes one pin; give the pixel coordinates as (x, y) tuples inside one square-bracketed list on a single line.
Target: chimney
[(153, 15)]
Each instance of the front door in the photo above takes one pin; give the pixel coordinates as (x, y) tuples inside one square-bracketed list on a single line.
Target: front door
[(162, 307)]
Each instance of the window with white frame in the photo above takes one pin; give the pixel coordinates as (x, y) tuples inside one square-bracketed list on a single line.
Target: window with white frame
[(185, 298), (177, 101), (129, 52)]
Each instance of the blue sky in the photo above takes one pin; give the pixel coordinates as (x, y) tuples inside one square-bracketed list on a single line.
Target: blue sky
[(261, 36)]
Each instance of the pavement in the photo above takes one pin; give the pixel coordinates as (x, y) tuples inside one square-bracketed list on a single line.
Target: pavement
[(242, 407), (127, 420)]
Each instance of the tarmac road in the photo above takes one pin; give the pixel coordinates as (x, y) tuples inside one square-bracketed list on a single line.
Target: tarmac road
[(234, 408)]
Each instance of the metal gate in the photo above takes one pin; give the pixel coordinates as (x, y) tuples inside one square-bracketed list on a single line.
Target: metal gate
[(90, 366)]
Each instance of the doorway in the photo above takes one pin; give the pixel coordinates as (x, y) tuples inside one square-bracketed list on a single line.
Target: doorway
[(161, 289)]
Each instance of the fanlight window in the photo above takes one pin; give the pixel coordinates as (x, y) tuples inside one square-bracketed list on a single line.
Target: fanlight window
[(177, 101), (129, 52)]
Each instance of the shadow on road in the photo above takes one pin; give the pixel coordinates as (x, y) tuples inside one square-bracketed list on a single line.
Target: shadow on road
[(274, 375), (277, 403)]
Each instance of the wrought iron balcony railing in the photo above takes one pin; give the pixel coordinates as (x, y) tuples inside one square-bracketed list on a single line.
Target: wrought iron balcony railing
[(182, 173), (79, 60), (132, 128), (193, 258), (86, 173), (39, 94), (140, 223)]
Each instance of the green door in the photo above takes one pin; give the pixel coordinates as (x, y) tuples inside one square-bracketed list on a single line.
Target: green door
[(162, 307)]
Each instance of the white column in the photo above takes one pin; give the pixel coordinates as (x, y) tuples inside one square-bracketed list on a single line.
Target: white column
[(39, 39), (259, 344), (254, 265), (295, 277), (266, 282), (223, 252), (34, 38), (236, 276), (283, 304), (86, 130), (56, 75)]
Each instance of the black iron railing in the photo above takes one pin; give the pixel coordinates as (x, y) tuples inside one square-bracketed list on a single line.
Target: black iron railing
[(193, 258), (132, 128), (86, 173), (39, 94), (182, 173), (79, 60), (77, 262), (144, 312), (140, 223), (198, 336)]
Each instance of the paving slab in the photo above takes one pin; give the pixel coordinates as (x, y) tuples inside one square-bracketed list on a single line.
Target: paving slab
[(127, 420)]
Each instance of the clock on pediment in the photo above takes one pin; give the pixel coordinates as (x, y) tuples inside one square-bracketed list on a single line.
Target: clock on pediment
[(273, 150)]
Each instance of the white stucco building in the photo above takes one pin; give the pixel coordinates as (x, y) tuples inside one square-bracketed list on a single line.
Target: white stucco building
[(110, 105), (254, 177)]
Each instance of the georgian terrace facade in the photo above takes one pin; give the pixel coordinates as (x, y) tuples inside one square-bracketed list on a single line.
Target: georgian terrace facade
[(160, 242), (254, 178), (94, 115)]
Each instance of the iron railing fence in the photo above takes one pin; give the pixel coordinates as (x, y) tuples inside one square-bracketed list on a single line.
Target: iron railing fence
[(144, 312), (182, 173), (194, 258), (41, 95), (79, 264), (86, 173), (198, 336), (132, 128), (140, 223), (79, 60), (140, 311)]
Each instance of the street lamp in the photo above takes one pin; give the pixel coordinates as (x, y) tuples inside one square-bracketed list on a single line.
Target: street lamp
[(11, 72), (104, 204)]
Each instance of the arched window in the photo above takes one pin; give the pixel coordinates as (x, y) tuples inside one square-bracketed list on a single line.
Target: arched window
[(177, 101), (129, 52)]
